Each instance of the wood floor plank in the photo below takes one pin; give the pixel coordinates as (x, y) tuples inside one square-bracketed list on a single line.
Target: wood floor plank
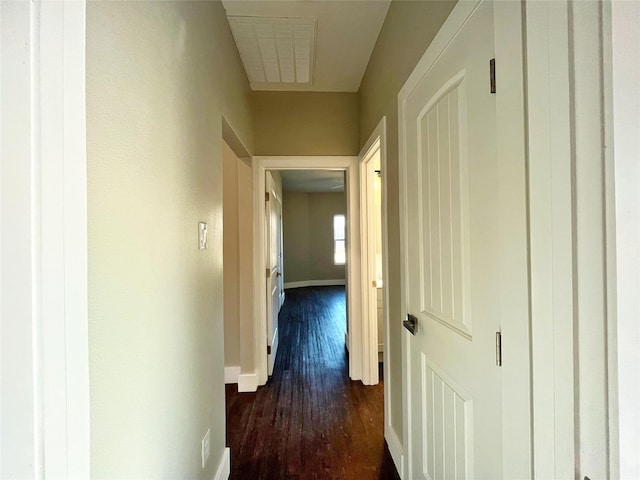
[(310, 421)]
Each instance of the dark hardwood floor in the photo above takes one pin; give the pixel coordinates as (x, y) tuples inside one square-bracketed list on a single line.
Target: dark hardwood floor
[(310, 421)]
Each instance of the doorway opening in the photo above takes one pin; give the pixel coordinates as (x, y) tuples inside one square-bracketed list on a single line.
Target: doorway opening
[(305, 238), (268, 173), (372, 252), (238, 298), (314, 230), (310, 402)]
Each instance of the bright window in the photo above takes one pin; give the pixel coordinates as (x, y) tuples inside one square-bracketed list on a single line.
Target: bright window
[(339, 252)]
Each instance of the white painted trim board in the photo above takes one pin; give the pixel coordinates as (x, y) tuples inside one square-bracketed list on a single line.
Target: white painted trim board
[(315, 283), (43, 84), (624, 119), (224, 466), (395, 449), (247, 382), (231, 374), (377, 140)]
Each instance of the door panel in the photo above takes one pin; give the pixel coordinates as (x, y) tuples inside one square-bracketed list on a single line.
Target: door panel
[(451, 188), (444, 207), (447, 424)]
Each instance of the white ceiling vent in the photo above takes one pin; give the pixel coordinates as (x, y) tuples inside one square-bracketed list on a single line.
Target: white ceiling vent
[(275, 50)]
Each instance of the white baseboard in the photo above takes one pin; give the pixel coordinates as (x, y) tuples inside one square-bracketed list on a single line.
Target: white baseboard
[(247, 382), (224, 467), (315, 283), (231, 374), (395, 448)]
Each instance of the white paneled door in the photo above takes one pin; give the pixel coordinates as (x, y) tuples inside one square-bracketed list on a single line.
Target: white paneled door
[(451, 260), (274, 271)]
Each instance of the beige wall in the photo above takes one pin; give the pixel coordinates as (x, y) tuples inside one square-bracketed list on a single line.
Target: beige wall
[(406, 33), (308, 235), (160, 75), (306, 123), (295, 226)]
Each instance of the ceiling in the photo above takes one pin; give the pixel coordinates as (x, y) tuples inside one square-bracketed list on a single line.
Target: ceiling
[(342, 37), (312, 180)]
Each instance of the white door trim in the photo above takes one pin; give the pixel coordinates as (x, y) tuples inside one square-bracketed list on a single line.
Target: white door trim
[(517, 407), (390, 434), (377, 140), (550, 213), (511, 157), (622, 77), (63, 233), (52, 107), (349, 164), (369, 301), (573, 238)]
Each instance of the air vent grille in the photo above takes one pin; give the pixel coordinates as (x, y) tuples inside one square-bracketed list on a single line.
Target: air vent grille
[(275, 50)]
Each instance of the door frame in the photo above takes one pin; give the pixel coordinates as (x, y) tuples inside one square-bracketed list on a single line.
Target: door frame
[(622, 75), (517, 407), (348, 164), (573, 232), (370, 374), (45, 315)]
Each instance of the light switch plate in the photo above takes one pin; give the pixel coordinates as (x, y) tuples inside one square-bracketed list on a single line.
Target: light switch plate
[(202, 235)]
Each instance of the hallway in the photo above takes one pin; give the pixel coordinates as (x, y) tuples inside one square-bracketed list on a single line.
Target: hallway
[(310, 420)]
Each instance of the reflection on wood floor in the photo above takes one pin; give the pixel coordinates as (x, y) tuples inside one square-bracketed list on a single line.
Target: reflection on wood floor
[(310, 421)]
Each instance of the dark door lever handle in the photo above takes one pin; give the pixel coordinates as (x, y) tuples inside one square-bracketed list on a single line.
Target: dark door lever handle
[(411, 324)]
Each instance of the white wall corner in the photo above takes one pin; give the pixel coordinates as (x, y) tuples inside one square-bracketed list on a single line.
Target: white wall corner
[(224, 466), (395, 448), (247, 382), (231, 374)]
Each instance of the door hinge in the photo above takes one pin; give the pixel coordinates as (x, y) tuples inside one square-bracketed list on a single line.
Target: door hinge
[(492, 74), (499, 349), (266, 196), (268, 349)]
